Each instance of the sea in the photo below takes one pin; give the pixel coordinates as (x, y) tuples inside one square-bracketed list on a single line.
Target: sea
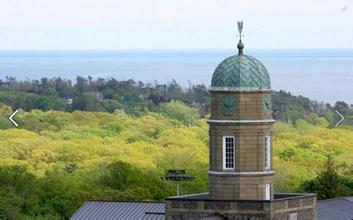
[(321, 74)]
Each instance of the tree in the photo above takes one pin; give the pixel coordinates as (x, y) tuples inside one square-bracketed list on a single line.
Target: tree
[(15, 191), (342, 107), (122, 176), (179, 111), (86, 102), (328, 180), (327, 184), (81, 85), (314, 119)]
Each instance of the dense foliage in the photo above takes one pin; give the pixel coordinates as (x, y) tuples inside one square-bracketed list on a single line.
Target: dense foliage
[(57, 160), (138, 98), (116, 139)]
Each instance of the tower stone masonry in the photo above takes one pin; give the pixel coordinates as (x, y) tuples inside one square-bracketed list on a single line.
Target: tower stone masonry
[(240, 130), (241, 172)]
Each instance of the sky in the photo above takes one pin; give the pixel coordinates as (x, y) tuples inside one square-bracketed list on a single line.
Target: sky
[(174, 24)]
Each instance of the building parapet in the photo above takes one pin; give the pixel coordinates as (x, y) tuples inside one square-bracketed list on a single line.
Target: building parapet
[(198, 206)]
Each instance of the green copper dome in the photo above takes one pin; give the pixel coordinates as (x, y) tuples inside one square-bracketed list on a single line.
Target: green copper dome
[(241, 72)]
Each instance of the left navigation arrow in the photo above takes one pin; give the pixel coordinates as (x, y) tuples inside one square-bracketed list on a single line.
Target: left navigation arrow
[(11, 118)]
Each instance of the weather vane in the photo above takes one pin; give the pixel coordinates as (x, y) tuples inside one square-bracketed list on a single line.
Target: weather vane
[(240, 45), (240, 28)]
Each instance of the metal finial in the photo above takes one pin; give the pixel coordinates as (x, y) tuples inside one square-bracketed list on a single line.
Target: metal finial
[(240, 45)]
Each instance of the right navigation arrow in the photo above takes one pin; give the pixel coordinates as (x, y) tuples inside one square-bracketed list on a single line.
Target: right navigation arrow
[(342, 118)]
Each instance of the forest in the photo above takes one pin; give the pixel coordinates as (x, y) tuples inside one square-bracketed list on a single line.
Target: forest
[(109, 139), (138, 98)]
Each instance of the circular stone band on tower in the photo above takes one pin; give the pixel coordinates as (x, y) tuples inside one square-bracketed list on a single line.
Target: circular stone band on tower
[(238, 89), (257, 173), (261, 121)]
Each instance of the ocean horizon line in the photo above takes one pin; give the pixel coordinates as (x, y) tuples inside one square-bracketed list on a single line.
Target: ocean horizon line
[(321, 74), (172, 49)]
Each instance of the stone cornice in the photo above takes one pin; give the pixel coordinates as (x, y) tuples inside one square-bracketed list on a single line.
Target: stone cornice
[(261, 121), (261, 173), (237, 89)]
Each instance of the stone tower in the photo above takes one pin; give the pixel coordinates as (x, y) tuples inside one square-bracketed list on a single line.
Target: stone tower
[(241, 130), (241, 172)]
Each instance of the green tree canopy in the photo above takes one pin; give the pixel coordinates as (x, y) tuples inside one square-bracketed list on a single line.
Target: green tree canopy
[(180, 112)]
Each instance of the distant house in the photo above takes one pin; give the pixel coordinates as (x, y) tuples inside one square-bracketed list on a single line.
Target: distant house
[(69, 101)]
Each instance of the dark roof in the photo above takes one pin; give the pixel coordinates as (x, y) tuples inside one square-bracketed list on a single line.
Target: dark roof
[(114, 210), (335, 209)]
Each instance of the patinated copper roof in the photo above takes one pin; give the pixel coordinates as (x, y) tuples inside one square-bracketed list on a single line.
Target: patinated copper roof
[(241, 71)]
